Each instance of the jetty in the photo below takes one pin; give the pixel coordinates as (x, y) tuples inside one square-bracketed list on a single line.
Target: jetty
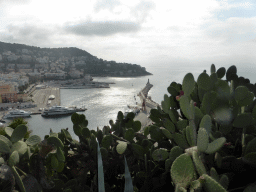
[(143, 115)]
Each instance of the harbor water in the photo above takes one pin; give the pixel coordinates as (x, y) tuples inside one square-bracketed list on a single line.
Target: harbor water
[(103, 104)]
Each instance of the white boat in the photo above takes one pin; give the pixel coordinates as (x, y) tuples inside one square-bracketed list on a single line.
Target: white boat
[(17, 113), (57, 111)]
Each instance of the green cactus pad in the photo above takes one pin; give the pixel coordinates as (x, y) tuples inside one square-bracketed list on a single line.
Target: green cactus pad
[(86, 132), (202, 140), (221, 72), (241, 92), (60, 155), (206, 123), (106, 141), (214, 174), (167, 165), (155, 113), (18, 133), (185, 107), (180, 139), (155, 133), (182, 124), (120, 115), (198, 116), (165, 107), (104, 153), (182, 170), (178, 188), (189, 135), (19, 146), (250, 147), (138, 150), (188, 84), (211, 185), (195, 185), (173, 102), (207, 102), (213, 69), (93, 143), (136, 126), (54, 162), (173, 114), (222, 89), (198, 163), (4, 147), (175, 152), (214, 79), (225, 129), (218, 159), (166, 133), (8, 131), (242, 120), (33, 140), (67, 134), (215, 145), (231, 70), (224, 181), (55, 141), (254, 112), (121, 147), (247, 101), (14, 158), (160, 154), (169, 125), (77, 129), (172, 91), (129, 134), (6, 140), (204, 81)]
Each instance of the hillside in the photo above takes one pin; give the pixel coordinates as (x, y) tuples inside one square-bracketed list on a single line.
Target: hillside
[(69, 56)]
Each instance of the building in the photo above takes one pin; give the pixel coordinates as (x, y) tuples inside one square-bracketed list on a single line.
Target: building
[(5, 88), (9, 97)]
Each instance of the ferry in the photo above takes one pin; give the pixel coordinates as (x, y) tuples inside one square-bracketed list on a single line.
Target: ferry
[(58, 111)]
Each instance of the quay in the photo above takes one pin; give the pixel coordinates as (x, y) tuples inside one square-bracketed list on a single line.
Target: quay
[(143, 115), (42, 98)]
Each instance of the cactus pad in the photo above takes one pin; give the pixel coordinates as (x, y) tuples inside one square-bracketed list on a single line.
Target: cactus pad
[(166, 133), (172, 91), (188, 84), (169, 125), (206, 123), (8, 131), (241, 93), (185, 107), (182, 170), (180, 140), (251, 146), (242, 120), (173, 114), (204, 81), (55, 141), (136, 126), (4, 147), (106, 141), (211, 185), (221, 72), (198, 163), (214, 174), (224, 181), (60, 155), (202, 140), (6, 140), (175, 152), (14, 158), (19, 146), (213, 69), (215, 145), (160, 154), (121, 147), (18, 133), (33, 140)]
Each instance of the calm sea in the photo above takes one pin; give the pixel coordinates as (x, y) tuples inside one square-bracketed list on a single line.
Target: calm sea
[(103, 104)]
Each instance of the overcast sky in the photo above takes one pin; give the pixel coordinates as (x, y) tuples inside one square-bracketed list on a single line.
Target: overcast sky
[(159, 32)]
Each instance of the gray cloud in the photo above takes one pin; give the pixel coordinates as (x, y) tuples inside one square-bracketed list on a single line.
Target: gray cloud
[(30, 34), (107, 28), (106, 4), (142, 10)]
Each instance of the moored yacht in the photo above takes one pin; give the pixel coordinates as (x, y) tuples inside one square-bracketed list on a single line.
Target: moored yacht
[(17, 113), (57, 111)]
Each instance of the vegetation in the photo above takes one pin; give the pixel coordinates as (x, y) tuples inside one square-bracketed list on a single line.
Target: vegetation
[(202, 139)]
